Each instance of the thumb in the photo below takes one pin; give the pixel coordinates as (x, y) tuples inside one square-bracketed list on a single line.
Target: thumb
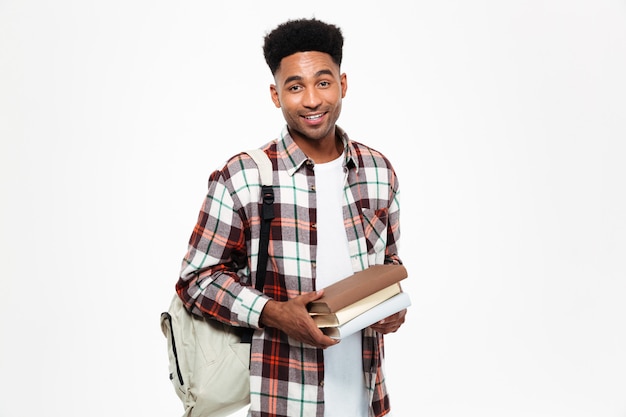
[(307, 297)]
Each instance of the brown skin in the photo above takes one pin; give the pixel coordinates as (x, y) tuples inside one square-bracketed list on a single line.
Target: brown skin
[(391, 324), (309, 89), (293, 318)]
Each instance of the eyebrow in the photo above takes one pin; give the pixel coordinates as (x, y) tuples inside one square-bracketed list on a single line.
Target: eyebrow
[(299, 77)]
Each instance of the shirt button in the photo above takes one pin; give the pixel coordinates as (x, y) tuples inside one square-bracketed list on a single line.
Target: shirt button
[(314, 225), (312, 188), (321, 383)]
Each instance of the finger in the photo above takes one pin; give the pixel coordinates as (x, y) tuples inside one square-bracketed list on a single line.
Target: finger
[(328, 342), (307, 297), (388, 325), (395, 319), (321, 339)]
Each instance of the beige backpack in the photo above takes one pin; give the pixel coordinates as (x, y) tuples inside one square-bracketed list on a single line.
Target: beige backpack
[(208, 360)]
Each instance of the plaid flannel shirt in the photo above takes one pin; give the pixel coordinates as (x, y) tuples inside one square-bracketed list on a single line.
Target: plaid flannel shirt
[(217, 276)]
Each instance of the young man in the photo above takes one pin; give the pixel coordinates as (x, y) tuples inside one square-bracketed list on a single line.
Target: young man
[(337, 213)]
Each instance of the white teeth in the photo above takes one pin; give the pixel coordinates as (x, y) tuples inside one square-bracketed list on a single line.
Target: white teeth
[(317, 116)]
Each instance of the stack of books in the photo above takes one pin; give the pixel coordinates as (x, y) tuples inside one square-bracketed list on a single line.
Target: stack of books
[(360, 300)]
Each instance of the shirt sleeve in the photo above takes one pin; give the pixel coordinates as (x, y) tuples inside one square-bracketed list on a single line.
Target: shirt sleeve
[(214, 274)]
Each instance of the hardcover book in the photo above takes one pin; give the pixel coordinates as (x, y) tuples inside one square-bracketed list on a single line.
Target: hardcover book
[(356, 287), (351, 311), (385, 309)]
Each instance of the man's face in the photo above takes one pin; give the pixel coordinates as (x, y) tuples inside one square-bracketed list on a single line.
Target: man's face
[(309, 89)]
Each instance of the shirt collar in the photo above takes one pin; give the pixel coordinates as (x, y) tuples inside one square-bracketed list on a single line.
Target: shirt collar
[(294, 158)]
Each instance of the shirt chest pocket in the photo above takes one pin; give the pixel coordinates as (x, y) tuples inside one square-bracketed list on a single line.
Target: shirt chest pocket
[(375, 229)]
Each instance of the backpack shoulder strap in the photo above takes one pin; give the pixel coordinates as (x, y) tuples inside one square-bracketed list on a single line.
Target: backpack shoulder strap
[(267, 212), (263, 163)]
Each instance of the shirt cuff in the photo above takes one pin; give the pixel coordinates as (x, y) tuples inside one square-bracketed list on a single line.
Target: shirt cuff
[(249, 305)]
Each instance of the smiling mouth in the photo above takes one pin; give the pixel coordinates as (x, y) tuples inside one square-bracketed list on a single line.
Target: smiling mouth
[(314, 116)]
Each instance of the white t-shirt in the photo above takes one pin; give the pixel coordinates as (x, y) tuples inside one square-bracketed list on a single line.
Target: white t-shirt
[(344, 384)]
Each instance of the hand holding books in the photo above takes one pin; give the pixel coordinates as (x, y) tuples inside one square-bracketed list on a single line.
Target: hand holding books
[(360, 300)]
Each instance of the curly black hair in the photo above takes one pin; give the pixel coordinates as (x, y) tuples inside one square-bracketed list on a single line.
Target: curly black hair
[(302, 35)]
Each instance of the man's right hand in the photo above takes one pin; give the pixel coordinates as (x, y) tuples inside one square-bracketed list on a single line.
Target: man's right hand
[(293, 318)]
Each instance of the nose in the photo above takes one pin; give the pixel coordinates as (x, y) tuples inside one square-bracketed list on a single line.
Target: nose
[(312, 98)]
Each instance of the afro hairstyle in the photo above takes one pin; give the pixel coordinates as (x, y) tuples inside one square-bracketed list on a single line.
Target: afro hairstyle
[(302, 35)]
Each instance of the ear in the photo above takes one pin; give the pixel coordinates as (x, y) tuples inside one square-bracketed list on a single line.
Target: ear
[(344, 84), (274, 94)]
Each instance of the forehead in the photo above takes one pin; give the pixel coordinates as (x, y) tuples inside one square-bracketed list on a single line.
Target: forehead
[(306, 64)]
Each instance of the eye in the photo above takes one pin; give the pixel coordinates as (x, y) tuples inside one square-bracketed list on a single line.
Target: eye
[(295, 88), (324, 84)]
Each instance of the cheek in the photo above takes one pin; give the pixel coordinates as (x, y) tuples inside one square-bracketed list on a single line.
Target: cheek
[(338, 106), (288, 106), (287, 112), (335, 97)]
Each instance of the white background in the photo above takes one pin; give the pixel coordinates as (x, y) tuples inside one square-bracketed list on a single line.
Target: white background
[(504, 119)]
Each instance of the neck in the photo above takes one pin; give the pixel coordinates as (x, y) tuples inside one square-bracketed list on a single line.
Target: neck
[(320, 150)]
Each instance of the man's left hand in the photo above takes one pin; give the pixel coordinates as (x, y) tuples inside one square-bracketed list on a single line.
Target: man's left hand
[(391, 323)]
